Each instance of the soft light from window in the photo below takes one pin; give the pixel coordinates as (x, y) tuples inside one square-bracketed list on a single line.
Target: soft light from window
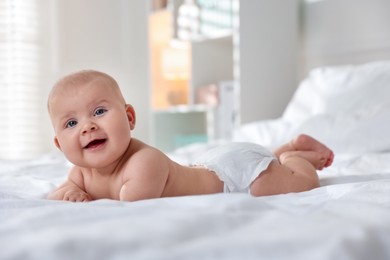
[(19, 79)]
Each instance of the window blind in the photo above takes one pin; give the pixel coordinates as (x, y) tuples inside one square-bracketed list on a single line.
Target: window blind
[(20, 98)]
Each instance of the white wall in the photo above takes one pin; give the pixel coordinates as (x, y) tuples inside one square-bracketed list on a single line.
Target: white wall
[(106, 35), (357, 32), (268, 57)]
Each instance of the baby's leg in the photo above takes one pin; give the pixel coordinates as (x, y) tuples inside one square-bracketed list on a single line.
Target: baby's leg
[(307, 143), (293, 174)]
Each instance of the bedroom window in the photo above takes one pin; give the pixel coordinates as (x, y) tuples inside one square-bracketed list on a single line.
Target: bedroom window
[(19, 79)]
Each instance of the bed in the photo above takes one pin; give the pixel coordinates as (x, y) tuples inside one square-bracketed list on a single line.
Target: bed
[(346, 106), (348, 217)]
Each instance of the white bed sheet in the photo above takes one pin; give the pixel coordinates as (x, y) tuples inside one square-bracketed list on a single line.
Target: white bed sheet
[(348, 217)]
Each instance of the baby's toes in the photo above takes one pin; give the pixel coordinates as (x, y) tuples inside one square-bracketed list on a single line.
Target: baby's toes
[(329, 161)]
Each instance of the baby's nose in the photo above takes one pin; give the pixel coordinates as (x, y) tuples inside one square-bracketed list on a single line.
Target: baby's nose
[(89, 127)]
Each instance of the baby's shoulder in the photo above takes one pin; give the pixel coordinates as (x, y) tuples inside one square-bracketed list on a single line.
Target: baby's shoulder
[(143, 155), (146, 161)]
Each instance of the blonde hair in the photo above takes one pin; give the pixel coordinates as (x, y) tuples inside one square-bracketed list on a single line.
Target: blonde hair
[(80, 78)]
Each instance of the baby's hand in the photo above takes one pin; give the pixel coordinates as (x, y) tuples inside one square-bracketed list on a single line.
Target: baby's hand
[(77, 196)]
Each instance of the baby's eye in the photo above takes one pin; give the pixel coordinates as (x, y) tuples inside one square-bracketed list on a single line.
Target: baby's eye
[(70, 124), (99, 111)]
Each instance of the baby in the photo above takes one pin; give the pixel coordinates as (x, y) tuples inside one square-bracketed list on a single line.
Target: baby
[(93, 125)]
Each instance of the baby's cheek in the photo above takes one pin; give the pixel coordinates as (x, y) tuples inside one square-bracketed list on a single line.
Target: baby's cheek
[(73, 155)]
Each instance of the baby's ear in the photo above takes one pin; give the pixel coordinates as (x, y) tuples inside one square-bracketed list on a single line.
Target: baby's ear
[(57, 144), (130, 112)]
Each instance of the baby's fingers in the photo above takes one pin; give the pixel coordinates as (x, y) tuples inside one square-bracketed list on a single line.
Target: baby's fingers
[(77, 196)]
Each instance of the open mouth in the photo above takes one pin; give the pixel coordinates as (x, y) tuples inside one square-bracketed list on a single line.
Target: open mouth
[(95, 143)]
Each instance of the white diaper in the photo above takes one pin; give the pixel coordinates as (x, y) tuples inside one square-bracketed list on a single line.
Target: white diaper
[(236, 164)]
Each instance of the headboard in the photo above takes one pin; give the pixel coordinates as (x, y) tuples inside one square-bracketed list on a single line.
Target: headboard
[(344, 32)]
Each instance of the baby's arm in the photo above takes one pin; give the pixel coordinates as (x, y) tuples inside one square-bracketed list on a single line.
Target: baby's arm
[(145, 176), (72, 189)]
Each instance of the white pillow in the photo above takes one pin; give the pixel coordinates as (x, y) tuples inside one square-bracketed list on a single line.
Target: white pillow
[(364, 130), (329, 90)]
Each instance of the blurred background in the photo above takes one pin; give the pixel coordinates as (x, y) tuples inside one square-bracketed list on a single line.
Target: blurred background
[(41, 40), (193, 69)]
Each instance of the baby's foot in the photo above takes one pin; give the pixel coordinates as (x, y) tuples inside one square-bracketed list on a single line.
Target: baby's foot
[(317, 159), (314, 158), (307, 143)]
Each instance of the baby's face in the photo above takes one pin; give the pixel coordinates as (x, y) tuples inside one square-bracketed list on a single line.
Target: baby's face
[(92, 123)]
